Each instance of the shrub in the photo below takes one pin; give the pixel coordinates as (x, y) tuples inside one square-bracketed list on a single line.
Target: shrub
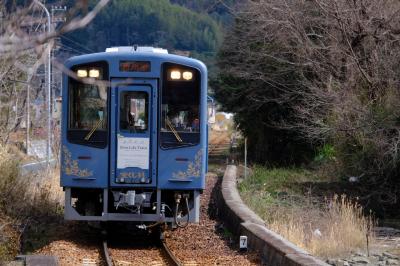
[(9, 236), (325, 153), (317, 72), (325, 228), (337, 229), (10, 185), (24, 198)]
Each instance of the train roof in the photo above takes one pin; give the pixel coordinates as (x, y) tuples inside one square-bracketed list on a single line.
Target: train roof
[(137, 49), (135, 53)]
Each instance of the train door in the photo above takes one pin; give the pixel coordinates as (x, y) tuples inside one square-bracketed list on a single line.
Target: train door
[(132, 149)]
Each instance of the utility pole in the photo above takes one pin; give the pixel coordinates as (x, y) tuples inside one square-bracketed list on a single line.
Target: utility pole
[(56, 18), (1, 21), (48, 83), (16, 102), (50, 20), (28, 111)]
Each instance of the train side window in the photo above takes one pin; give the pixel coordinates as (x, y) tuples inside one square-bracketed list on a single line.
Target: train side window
[(180, 109), (88, 108), (88, 114), (133, 115)]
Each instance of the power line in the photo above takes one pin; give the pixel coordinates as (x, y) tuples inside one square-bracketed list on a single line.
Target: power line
[(76, 43), (80, 51), (71, 49)]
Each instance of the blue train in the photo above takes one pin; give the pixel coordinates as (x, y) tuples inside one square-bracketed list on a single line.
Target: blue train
[(134, 136)]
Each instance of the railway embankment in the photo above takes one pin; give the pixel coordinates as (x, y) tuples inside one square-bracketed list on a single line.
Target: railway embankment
[(274, 249)]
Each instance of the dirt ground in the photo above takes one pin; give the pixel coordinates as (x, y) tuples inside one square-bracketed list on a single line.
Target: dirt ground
[(206, 243)]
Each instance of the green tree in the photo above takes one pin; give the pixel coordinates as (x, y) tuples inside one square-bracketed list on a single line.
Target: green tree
[(129, 22)]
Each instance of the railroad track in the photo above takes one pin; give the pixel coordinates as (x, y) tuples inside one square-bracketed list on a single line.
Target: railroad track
[(106, 254), (169, 255)]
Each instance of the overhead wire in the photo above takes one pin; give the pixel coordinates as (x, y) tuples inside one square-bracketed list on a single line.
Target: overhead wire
[(72, 49), (88, 50)]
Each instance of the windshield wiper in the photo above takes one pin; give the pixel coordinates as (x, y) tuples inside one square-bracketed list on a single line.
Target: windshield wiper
[(171, 127), (96, 126)]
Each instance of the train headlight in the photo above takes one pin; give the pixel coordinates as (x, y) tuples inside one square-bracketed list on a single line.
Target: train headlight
[(187, 75), (82, 73), (175, 74), (94, 73)]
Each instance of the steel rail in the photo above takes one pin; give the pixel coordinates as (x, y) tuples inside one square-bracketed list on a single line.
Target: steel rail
[(174, 260), (170, 254), (106, 254)]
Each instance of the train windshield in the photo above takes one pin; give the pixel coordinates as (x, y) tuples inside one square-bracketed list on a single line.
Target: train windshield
[(180, 112), (134, 107)]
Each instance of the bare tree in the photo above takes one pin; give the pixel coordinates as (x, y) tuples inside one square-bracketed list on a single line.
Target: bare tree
[(329, 69), (24, 46)]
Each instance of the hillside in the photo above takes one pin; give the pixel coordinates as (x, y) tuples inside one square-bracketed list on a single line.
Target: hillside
[(218, 10), (152, 22)]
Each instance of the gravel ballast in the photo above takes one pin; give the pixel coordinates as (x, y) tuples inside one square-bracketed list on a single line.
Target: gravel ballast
[(206, 243)]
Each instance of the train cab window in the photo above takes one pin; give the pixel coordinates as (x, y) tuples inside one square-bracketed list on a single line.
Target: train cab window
[(180, 107), (133, 114), (88, 112)]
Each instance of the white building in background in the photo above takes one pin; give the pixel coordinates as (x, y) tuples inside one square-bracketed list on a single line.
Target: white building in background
[(211, 114), (223, 121)]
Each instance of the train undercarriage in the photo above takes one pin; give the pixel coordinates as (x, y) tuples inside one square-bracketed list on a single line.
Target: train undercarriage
[(176, 208)]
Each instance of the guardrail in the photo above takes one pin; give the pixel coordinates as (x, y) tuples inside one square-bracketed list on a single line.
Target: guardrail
[(36, 166)]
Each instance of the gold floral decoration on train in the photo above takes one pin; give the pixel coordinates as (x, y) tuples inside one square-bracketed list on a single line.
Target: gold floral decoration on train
[(71, 167), (193, 169)]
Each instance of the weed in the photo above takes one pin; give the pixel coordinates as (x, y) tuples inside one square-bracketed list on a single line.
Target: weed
[(227, 234), (9, 238), (325, 153), (275, 179), (24, 198), (337, 229), (324, 227)]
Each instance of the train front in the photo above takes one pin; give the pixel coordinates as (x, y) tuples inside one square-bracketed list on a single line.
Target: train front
[(134, 136)]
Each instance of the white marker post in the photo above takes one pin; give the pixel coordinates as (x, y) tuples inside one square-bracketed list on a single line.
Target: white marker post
[(243, 243)]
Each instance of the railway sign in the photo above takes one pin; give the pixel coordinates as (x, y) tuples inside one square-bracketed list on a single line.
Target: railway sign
[(243, 243)]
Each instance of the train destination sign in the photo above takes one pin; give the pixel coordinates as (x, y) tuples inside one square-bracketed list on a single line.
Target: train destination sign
[(133, 152), (134, 66)]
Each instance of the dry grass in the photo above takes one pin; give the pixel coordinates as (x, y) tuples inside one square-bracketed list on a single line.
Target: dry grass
[(324, 227), (8, 172), (46, 190), (30, 194), (9, 239), (24, 198), (335, 231)]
